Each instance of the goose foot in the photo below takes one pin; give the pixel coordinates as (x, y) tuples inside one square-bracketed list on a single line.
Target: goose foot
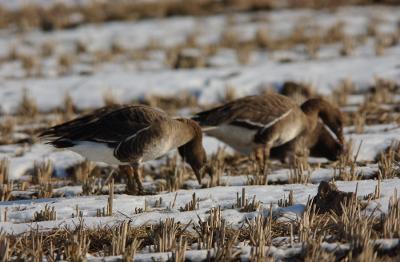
[(133, 183), (262, 155)]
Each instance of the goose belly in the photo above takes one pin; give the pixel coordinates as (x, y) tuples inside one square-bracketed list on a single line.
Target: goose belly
[(287, 134), (239, 138), (156, 150), (96, 152)]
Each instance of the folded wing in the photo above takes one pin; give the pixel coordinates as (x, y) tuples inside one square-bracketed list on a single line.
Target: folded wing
[(109, 125)]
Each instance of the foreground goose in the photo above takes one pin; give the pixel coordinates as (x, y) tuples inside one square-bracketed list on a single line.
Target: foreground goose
[(270, 121), (130, 135)]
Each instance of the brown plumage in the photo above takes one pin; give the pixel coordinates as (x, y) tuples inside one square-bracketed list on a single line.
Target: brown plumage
[(130, 135), (319, 142), (271, 121)]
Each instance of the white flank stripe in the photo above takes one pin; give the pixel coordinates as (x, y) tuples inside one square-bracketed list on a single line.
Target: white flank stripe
[(104, 140), (130, 137), (331, 133), (208, 128), (250, 122), (277, 119), (273, 122)]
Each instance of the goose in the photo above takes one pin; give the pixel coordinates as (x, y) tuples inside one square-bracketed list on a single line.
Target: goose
[(320, 143), (271, 121), (129, 136)]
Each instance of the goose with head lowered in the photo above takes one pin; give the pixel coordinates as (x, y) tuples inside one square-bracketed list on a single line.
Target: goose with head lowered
[(129, 136), (276, 124)]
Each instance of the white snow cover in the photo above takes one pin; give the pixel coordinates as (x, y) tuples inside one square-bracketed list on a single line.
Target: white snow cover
[(20, 213), (134, 80), (207, 84)]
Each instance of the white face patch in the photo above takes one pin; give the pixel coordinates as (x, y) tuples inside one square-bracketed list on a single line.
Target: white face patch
[(331, 133)]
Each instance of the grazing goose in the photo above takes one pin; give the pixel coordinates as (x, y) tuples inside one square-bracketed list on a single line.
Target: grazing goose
[(270, 121), (130, 135), (321, 143)]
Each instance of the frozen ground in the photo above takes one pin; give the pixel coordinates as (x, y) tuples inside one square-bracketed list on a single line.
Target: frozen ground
[(375, 140), (130, 79), (20, 213)]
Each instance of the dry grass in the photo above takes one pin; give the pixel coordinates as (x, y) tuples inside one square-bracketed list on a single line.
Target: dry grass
[(186, 58), (45, 191), (42, 172), (45, 215), (171, 103), (285, 202), (69, 109), (30, 64), (175, 176), (108, 210), (260, 235), (244, 204), (5, 191), (27, 106), (110, 99), (341, 93), (165, 235), (388, 163), (299, 172), (354, 226), (65, 63), (345, 168), (4, 171), (216, 167), (192, 205), (189, 52), (212, 231), (81, 172), (311, 230), (61, 16)]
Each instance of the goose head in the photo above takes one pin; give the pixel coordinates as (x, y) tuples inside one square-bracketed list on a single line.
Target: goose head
[(193, 151), (325, 145), (320, 110), (327, 138)]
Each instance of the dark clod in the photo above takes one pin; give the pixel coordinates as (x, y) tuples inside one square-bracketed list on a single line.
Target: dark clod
[(330, 199)]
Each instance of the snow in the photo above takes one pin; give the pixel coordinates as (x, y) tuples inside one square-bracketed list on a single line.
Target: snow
[(20, 213), (136, 79), (374, 140), (89, 81), (206, 84), (20, 164)]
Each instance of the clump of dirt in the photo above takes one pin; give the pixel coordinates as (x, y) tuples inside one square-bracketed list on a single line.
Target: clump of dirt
[(330, 199)]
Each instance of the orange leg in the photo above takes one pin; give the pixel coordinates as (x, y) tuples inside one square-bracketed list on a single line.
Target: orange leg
[(262, 156), (133, 184), (136, 175)]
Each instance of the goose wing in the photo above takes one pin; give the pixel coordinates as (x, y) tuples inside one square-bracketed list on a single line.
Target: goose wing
[(252, 112), (143, 143), (109, 125)]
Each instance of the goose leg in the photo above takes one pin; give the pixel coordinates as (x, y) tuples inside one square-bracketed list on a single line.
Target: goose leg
[(138, 182), (262, 155), (266, 155), (289, 149), (130, 183), (133, 183)]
